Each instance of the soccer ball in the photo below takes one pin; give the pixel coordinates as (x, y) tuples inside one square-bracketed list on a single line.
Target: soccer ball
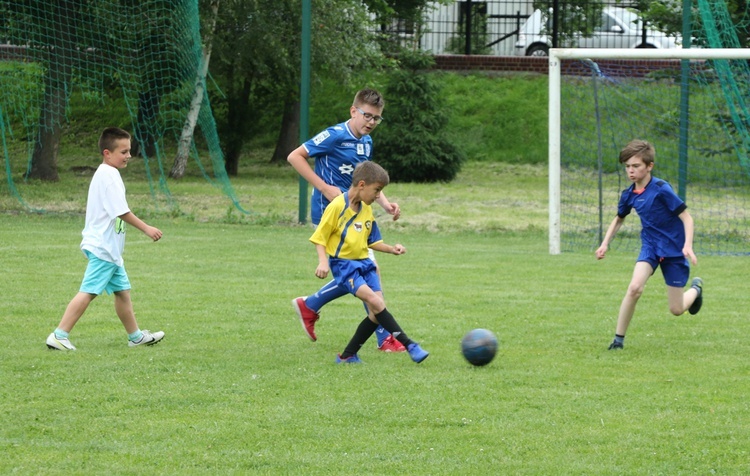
[(479, 346)]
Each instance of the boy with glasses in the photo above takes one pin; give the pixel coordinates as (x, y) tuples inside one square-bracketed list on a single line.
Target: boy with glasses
[(337, 151)]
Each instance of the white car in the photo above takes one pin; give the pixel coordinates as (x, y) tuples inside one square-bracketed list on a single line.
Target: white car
[(618, 28)]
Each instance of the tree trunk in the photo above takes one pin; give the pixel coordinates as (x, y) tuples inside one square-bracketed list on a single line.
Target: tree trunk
[(238, 117), (289, 134), (148, 111), (186, 138), (57, 86)]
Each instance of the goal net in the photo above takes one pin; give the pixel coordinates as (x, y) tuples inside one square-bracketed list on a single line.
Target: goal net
[(691, 104), (140, 61)]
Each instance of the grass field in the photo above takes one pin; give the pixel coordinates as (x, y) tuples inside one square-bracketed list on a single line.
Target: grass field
[(237, 388)]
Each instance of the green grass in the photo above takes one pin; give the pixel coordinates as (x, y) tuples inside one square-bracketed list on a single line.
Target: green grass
[(236, 387)]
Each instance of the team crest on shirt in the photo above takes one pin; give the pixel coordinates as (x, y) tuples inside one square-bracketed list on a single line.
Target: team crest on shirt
[(368, 224), (346, 169), (360, 149), (367, 150), (358, 227), (321, 137)]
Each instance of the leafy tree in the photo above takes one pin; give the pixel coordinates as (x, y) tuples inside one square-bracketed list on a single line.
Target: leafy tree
[(256, 63), (414, 148)]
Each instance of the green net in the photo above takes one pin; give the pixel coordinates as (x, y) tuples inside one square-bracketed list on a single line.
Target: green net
[(613, 102), (142, 59)]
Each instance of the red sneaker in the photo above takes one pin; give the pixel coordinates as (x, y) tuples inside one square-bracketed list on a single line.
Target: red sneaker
[(392, 345), (307, 317)]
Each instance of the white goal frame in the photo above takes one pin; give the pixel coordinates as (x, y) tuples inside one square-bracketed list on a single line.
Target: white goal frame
[(555, 68)]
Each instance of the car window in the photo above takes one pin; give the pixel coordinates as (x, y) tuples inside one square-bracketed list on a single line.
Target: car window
[(606, 24)]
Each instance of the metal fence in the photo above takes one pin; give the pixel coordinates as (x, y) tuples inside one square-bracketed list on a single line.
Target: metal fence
[(474, 27), (494, 27)]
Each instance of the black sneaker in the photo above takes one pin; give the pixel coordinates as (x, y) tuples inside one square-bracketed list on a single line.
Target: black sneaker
[(696, 306), (616, 345)]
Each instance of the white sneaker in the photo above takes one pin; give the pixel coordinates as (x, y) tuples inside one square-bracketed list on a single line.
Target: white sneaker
[(147, 338), (53, 342)]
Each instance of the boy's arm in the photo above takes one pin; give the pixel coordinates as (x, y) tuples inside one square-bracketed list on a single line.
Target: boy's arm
[(611, 232), (150, 231), (687, 250), (323, 269), (298, 159), (391, 208), (397, 249)]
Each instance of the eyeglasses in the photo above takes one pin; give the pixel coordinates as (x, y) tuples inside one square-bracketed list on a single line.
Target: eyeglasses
[(369, 117)]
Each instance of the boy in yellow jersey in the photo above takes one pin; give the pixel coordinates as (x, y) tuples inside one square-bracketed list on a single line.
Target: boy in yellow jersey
[(342, 239)]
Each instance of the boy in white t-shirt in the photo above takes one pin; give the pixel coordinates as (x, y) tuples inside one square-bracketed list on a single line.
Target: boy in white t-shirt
[(107, 212)]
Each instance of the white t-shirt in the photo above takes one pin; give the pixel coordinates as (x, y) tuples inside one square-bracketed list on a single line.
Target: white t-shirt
[(104, 232)]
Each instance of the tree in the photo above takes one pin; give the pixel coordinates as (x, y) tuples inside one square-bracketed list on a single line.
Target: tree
[(257, 60), (54, 35), (414, 148), (186, 137)]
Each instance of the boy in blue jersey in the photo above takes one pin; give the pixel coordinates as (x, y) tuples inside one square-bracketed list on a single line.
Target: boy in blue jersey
[(667, 238), (337, 151), (343, 238)]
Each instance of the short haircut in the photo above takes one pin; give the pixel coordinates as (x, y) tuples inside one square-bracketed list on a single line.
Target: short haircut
[(640, 148), (369, 96), (369, 172), (109, 136)]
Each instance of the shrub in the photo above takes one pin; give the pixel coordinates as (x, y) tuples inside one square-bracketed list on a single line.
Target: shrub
[(413, 146)]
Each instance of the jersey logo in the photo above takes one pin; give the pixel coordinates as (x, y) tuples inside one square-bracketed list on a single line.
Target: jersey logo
[(119, 226), (346, 169), (358, 227), (368, 224), (321, 137), (360, 149), (367, 150)]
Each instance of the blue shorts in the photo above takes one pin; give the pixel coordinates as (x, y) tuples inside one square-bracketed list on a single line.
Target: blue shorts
[(103, 276), (352, 274), (676, 270)]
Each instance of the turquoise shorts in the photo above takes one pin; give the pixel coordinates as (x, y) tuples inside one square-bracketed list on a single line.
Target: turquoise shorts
[(103, 276)]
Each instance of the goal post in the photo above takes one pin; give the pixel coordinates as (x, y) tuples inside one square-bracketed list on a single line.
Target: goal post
[(556, 58)]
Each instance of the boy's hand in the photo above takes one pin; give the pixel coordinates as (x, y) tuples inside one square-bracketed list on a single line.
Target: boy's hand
[(398, 249), (601, 251), (331, 192), (322, 270), (153, 233), (394, 210), (689, 254)]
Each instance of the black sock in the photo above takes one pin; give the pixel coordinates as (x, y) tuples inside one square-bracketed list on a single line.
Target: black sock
[(363, 332), (619, 339), (389, 323)]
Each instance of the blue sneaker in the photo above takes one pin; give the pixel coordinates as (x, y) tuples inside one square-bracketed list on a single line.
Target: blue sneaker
[(354, 359), (417, 353)]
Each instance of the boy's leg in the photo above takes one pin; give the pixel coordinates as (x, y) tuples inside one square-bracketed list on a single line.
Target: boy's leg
[(124, 310), (329, 292), (642, 271), (363, 332), (681, 301), (307, 308), (386, 342), (75, 310), (58, 339)]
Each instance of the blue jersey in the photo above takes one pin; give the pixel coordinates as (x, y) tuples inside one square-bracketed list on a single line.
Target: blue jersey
[(659, 208), (336, 151)]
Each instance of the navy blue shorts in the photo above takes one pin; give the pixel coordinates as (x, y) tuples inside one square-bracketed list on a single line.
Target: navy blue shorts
[(676, 270), (352, 274)]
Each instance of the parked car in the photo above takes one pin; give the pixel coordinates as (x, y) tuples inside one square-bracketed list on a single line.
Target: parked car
[(618, 28)]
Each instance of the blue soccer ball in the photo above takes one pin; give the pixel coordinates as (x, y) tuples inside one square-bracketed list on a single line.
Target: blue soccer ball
[(479, 347)]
